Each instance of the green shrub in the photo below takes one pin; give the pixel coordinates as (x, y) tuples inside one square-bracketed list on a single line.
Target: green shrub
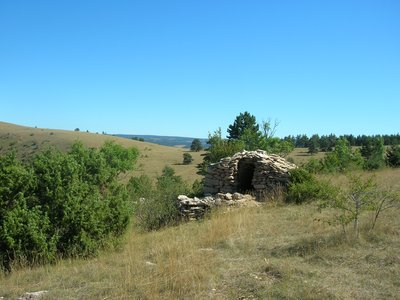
[(23, 226), (26, 236), (219, 148), (300, 175), (187, 158), (62, 204), (276, 145), (343, 158), (140, 187), (313, 165), (373, 152), (197, 188), (361, 195), (393, 156), (304, 187), (157, 206), (373, 163)]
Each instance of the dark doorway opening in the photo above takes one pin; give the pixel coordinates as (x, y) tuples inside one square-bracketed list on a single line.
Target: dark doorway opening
[(245, 175)]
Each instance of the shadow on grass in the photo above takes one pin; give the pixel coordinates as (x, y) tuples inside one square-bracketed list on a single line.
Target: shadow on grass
[(310, 246)]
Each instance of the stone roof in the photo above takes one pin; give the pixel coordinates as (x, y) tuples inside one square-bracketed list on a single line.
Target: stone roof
[(247, 171)]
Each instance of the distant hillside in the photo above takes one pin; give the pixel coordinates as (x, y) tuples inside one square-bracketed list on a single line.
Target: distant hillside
[(172, 141), (28, 141)]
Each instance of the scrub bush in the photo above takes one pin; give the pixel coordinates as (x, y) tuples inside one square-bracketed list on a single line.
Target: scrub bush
[(305, 187), (156, 205), (62, 204), (393, 156)]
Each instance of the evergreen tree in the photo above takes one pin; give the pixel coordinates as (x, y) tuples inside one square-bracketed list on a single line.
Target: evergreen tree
[(342, 158), (313, 144), (301, 141), (242, 122), (252, 139), (393, 156), (373, 151), (196, 145), (219, 148)]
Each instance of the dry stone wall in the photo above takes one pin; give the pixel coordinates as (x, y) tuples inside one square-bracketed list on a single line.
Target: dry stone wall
[(247, 171), (195, 208)]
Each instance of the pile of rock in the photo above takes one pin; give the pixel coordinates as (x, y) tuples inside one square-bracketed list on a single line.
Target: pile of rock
[(195, 208), (31, 295), (262, 171)]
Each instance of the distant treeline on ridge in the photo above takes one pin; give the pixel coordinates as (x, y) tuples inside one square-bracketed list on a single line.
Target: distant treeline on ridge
[(326, 142)]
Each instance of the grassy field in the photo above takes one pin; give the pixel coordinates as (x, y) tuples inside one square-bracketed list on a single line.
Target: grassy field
[(27, 141), (301, 156), (274, 251)]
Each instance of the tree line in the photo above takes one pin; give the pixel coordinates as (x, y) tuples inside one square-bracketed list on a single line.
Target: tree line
[(328, 142), (245, 133)]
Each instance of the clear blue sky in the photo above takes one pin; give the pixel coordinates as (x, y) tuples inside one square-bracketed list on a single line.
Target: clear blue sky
[(188, 67)]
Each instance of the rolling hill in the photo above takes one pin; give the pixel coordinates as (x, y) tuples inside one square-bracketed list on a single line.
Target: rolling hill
[(271, 251), (27, 141), (172, 141)]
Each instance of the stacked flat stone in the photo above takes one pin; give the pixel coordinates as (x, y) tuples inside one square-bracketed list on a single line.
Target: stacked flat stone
[(195, 208), (269, 171)]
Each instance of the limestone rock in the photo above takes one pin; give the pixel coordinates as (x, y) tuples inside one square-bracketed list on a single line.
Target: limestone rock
[(237, 196), (195, 208), (247, 171), (228, 196), (32, 295)]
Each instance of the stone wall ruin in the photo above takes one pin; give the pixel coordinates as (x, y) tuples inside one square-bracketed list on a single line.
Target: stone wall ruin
[(247, 171), (195, 208)]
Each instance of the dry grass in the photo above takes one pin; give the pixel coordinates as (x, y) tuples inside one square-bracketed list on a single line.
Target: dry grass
[(27, 141), (386, 178), (301, 156), (252, 253)]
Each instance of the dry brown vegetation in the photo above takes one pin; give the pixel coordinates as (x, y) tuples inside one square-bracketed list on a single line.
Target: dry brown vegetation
[(301, 156), (274, 251), (153, 158), (283, 252), (27, 141)]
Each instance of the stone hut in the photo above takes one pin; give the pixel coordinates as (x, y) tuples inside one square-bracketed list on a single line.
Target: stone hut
[(247, 171)]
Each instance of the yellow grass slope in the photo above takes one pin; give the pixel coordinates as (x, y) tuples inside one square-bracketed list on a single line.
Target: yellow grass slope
[(27, 141), (253, 253)]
